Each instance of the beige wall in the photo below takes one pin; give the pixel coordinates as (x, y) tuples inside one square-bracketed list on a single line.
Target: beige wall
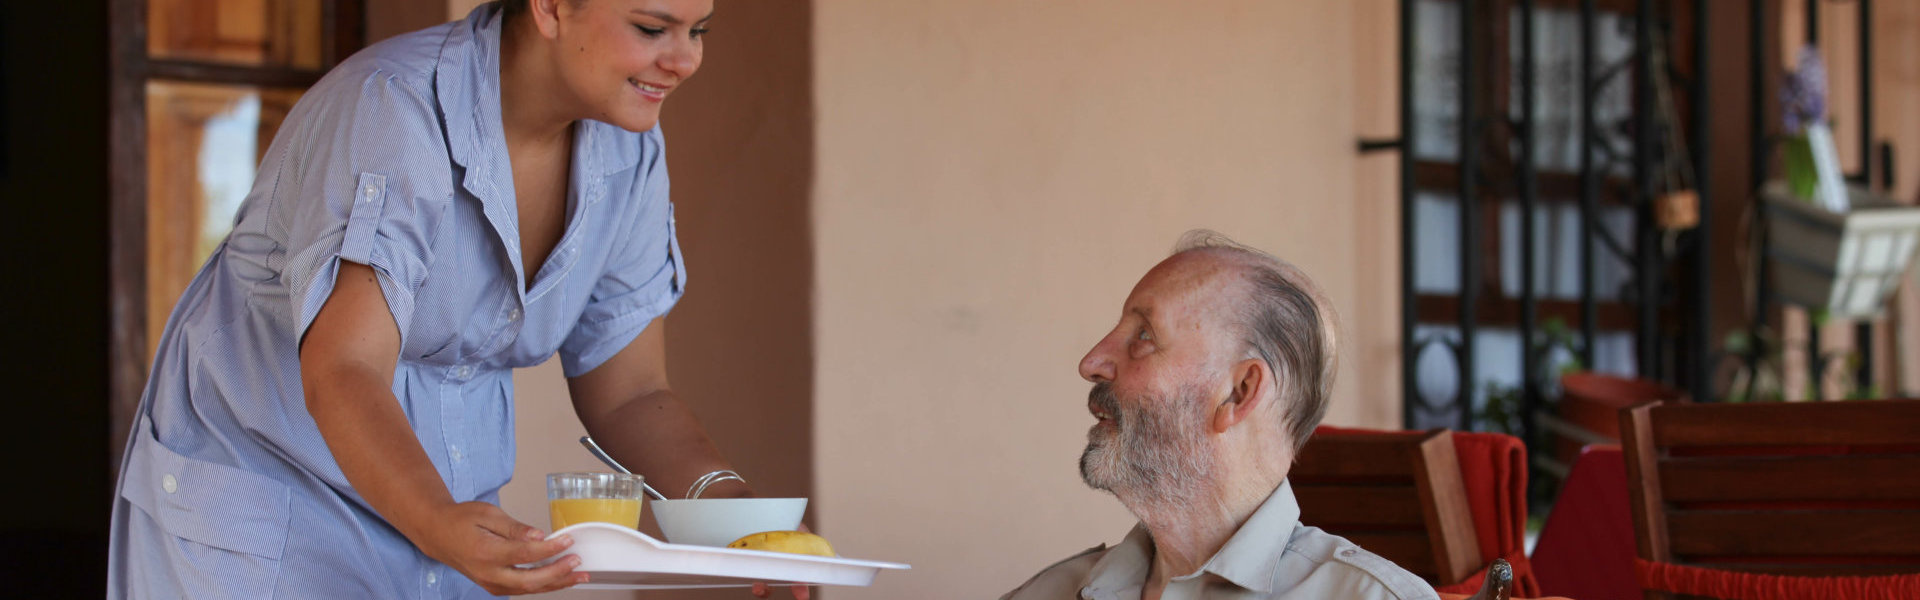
[(993, 177), (1896, 97), (1372, 366)]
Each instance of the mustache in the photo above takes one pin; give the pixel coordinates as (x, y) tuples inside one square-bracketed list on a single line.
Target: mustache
[(1102, 398)]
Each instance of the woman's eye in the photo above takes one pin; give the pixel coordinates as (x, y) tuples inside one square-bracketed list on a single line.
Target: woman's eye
[(1144, 336), (650, 31), (699, 32)]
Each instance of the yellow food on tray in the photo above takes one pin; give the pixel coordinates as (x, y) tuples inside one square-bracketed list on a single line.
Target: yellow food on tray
[(793, 542)]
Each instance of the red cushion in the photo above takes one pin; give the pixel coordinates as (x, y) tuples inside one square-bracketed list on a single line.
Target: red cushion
[(1716, 583)]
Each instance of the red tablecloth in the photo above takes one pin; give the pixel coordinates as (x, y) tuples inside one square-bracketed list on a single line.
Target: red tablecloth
[(1586, 548)]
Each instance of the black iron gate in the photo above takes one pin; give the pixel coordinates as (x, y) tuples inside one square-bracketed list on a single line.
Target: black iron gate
[(1658, 301), (1628, 295)]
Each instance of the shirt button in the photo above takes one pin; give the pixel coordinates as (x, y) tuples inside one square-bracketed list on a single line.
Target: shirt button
[(513, 315), (1348, 552), (463, 372), (168, 483), (456, 453), (432, 578), (369, 191)]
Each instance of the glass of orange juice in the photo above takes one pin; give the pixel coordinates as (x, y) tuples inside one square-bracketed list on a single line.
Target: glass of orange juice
[(602, 497)]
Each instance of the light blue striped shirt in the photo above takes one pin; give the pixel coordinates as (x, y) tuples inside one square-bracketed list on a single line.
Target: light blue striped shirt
[(396, 160)]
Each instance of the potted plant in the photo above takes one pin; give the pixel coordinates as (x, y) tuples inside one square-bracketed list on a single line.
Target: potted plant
[(1830, 246)]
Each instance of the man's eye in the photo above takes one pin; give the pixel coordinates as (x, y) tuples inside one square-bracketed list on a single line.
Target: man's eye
[(1141, 345), (699, 32)]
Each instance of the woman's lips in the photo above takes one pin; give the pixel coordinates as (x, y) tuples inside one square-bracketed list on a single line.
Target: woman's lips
[(650, 91)]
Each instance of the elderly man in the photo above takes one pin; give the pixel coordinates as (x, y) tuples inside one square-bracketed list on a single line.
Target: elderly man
[(1219, 370)]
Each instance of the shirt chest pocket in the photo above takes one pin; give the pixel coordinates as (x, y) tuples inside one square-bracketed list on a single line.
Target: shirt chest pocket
[(471, 331), (223, 529)]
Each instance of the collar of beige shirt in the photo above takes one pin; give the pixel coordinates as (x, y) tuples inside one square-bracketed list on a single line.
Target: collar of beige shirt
[(1249, 558)]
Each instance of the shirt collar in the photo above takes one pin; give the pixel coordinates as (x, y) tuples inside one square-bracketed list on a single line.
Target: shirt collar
[(1122, 567), (468, 78), (1249, 559), (467, 83), (1252, 556)]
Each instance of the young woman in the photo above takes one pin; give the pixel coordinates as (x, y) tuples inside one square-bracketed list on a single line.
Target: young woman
[(330, 413)]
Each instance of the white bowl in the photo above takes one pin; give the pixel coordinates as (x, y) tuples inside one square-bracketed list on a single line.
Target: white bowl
[(720, 521)]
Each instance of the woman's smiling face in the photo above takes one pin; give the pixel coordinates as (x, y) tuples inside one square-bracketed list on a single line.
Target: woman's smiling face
[(621, 58)]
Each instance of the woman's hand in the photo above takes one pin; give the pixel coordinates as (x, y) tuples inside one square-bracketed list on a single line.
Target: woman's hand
[(800, 592), (483, 543)]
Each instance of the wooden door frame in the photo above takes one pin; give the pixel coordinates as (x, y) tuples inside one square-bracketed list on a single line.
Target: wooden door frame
[(343, 30)]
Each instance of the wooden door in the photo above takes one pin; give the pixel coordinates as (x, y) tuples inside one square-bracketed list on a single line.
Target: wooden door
[(199, 88)]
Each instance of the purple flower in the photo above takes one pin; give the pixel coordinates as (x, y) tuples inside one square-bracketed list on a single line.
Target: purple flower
[(1803, 96)]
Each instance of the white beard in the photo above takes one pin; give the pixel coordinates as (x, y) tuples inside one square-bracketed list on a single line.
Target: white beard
[(1150, 454)]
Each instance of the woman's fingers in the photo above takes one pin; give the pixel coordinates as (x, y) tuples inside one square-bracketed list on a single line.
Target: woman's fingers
[(540, 580), (533, 551), (800, 592), (519, 543), (493, 519), (488, 545)]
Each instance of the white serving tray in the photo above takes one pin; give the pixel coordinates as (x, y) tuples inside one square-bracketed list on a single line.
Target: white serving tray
[(620, 558)]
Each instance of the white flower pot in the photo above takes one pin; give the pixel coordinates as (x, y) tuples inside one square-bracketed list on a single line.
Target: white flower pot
[(1847, 263)]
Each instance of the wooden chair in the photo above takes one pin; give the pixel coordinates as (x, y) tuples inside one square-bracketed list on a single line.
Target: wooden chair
[(1397, 494), (1589, 412), (1723, 491)]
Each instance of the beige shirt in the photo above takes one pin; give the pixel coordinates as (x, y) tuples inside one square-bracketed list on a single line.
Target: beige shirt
[(1271, 556)]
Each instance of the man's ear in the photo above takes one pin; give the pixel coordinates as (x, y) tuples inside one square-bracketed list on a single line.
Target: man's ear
[(546, 16), (1252, 387)]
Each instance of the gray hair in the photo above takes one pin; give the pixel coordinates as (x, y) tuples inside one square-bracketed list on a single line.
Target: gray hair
[(1286, 321)]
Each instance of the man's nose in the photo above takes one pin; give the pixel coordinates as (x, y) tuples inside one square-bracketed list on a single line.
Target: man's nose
[(1097, 365)]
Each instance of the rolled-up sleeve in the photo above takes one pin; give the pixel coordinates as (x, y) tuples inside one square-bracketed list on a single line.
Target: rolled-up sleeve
[(368, 182), (644, 278)]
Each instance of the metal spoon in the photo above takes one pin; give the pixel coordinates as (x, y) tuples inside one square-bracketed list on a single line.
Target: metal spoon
[(587, 440)]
